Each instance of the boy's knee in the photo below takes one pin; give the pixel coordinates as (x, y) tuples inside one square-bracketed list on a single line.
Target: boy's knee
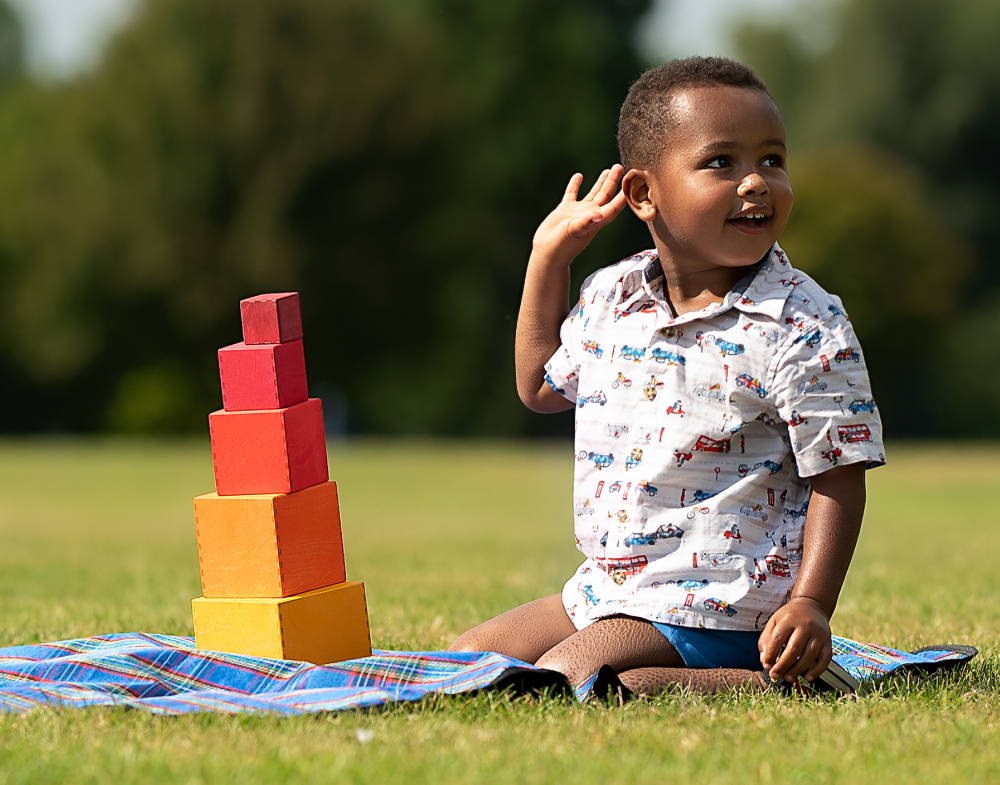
[(467, 641)]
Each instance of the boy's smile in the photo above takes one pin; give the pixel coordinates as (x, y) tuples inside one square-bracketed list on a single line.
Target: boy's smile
[(719, 196)]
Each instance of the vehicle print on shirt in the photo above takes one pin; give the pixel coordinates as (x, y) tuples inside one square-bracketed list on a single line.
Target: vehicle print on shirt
[(601, 460), (773, 467), (603, 541), (594, 348), (597, 397), (587, 591), (634, 458), (708, 444), (584, 508), (647, 488), (812, 385), (798, 322), (777, 565), (726, 348), (651, 388), (620, 568), (799, 513), (752, 384), (645, 306), (616, 431), (846, 355), (797, 419), (770, 336), (811, 339), (687, 585), (664, 532), (754, 511), (701, 496), (720, 606), (676, 408), (633, 353), (859, 405), (733, 533), (711, 559), (669, 357), (621, 381), (758, 575), (682, 457), (835, 311), (698, 511), (854, 433), (712, 392)]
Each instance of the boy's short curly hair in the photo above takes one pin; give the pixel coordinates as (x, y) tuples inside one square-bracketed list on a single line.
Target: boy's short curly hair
[(646, 112)]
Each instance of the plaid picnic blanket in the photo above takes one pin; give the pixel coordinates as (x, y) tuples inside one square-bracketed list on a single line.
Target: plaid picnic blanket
[(165, 674)]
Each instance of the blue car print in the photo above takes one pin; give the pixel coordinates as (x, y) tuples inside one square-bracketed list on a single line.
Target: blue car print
[(588, 593), (601, 460), (597, 396), (663, 356), (633, 353), (859, 405), (772, 466), (728, 347), (811, 339), (700, 496), (662, 533)]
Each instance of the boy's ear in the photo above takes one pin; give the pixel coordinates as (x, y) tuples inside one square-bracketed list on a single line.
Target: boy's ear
[(635, 186)]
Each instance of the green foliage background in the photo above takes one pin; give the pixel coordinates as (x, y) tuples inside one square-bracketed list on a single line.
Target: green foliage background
[(391, 160)]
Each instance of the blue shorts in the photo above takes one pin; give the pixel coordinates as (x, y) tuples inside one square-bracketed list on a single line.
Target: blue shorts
[(701, 648)]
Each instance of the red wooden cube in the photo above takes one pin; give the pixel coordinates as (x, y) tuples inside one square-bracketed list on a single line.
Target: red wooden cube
[(270, 450), (262, 376), (271, 318)]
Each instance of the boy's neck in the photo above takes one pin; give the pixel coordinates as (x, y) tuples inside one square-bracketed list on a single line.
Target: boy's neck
[(690, 288)]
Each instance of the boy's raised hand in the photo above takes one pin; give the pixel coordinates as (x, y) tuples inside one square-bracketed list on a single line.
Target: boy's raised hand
[(570, 227), (796, 641)]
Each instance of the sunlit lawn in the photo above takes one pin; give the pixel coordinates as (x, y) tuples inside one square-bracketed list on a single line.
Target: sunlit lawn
[(98, 537)]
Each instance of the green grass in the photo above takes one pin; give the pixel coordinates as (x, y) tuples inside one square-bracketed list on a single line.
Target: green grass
[(98, 537)]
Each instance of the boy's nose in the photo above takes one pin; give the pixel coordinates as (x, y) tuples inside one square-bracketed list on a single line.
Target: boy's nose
[(753, 183)]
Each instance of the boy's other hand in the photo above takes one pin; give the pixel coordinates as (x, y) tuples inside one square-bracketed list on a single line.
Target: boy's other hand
[(796, 641), (570, 227)]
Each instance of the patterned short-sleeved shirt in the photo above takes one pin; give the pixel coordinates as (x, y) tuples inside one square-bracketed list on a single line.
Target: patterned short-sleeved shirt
[(696, 436)]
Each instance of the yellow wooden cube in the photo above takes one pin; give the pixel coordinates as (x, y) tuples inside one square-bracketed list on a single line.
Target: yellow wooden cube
[(321, 626)]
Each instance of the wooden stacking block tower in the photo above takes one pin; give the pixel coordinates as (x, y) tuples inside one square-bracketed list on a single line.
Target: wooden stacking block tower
[(270, 546)]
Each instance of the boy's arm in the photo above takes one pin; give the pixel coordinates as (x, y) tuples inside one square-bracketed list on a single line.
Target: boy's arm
[(802, 625), (564, 233)]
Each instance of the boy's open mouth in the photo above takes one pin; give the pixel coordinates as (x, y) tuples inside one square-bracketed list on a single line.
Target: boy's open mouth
[(751, 223)]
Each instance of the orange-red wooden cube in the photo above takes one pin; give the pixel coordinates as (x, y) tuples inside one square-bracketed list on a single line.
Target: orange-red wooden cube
[(270, 450)]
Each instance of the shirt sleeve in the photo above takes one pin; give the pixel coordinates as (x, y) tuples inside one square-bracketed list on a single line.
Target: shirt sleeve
[(562, 371), (821, 390)]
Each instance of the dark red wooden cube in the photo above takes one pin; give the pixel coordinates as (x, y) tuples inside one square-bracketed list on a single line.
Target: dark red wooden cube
[(262, 376), (271, 318)]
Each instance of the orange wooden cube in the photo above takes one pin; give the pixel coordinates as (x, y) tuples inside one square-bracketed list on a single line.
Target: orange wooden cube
[(269, 545), (321, 626), (269, 450)]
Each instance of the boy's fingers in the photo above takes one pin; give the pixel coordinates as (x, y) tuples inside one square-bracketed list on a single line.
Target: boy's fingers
[(596, 187), (823, 660), (610, 211), (573, 187), (788, 657), (773, 640), (610, 184), (805, 661)]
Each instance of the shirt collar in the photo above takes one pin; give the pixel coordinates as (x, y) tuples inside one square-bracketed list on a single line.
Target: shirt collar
[(763, 290)]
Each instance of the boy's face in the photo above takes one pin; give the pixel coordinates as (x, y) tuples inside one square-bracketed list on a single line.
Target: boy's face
[(724, 161)]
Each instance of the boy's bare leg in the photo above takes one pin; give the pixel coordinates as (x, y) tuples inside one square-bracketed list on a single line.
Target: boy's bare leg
[(525, 632), (622, 642), (707, 681)]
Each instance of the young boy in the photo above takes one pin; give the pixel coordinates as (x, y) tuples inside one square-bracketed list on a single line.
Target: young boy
[(724, 419)]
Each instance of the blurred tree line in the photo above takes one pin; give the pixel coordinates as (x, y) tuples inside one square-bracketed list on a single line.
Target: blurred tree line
[(391, 161)]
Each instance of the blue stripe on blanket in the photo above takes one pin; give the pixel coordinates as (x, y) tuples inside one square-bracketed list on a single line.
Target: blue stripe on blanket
[(164, 674)]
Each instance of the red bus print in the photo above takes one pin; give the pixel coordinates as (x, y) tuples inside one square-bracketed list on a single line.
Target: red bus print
[(854, 433)]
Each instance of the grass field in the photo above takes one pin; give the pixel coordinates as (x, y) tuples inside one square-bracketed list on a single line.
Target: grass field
[(99, 537)]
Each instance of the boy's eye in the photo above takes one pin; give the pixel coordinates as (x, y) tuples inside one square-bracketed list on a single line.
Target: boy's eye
[(774, 160), (719, 162)]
